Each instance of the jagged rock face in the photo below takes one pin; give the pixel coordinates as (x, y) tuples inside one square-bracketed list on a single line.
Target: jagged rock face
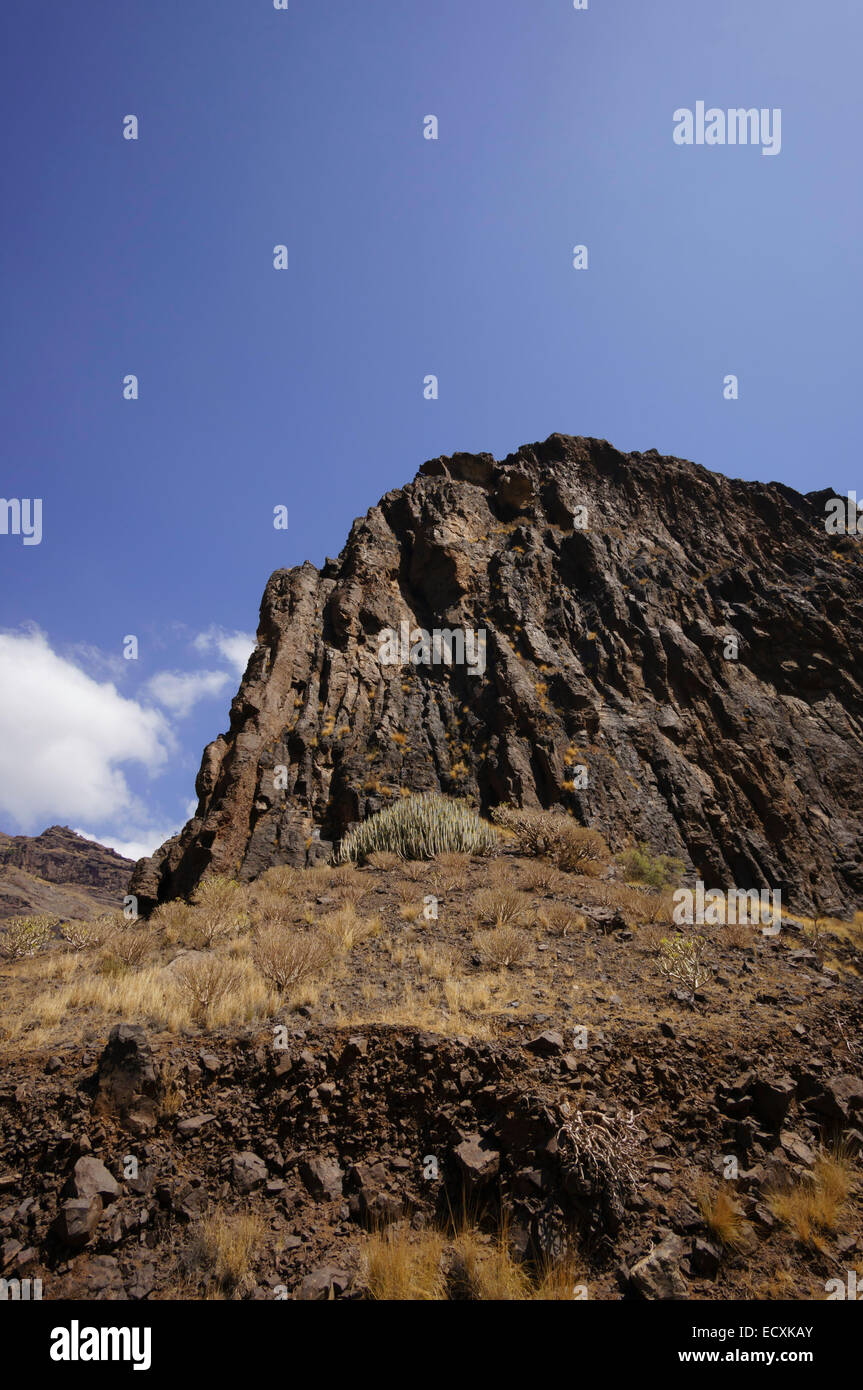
[(605, 649)]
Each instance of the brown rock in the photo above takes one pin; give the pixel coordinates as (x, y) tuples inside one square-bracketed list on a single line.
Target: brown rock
[(90, 1178), (631, 605), (77, 1220)]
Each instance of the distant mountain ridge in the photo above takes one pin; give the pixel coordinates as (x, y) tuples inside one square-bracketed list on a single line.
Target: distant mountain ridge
[(60, 874)]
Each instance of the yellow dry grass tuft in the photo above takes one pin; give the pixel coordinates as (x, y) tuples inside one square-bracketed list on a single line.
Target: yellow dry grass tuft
[(815, 1205), (222, 1249), (724, 1217)]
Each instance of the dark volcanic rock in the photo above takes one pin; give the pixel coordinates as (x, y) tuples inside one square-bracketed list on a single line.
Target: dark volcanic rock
[(605, 647), (126, 1080)]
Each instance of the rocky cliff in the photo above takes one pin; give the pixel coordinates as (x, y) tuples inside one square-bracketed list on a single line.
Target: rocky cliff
[(669, 654)]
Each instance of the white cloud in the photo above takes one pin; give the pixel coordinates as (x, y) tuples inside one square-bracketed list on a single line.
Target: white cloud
[(179, 691), (64, 737), (139, 848), (233, 647)]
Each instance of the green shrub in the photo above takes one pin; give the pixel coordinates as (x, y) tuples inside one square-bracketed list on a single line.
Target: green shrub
[(420, 827), (556, 836), (28, 936), (657, 870)]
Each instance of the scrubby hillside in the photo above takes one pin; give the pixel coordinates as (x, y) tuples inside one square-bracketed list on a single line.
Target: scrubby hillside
[(458, 1077)]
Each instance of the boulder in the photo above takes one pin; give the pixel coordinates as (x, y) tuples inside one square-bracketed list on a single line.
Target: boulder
[(658, 1275), (323, 1178), (77, 1220), (127, 1084), (248, 1171), (90, 1178)]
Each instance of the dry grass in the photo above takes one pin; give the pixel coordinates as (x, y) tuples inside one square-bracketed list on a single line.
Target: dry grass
[(501, 906), (282, 879), (400, 1265), (451, 1007), (172, 1094), (128, 948), (738, 935), (437, 962), (503, 947), (452, 860), (412, 912), (222, 1249), (501, 873), (816, 1204), (346, 930), (559, 919), (416, 869), (723, 1216), (483, 1270), (543, 879), (345, 875), (398, 1269), (383, 860), (176, 921), (269, 908), (221, 904)]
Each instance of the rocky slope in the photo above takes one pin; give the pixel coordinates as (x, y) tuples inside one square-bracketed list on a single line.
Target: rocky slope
[(59, 873), (607, 639)]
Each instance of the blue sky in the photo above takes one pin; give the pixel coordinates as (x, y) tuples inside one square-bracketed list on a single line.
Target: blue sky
[(406, 257)]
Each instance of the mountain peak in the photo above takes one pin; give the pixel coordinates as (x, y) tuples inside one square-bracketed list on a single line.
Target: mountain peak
[(687, 640)]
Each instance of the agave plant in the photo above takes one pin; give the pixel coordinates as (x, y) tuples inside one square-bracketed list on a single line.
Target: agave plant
[(420, 827)]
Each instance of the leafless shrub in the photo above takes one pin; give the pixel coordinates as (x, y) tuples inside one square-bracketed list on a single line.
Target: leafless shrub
[(81, 935), (684, 962), (129, 947), (559, 919), (503, 947), (221, 904), (555, 836), (207, 980), (502, 906), (600, 1152), (286, 958)]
